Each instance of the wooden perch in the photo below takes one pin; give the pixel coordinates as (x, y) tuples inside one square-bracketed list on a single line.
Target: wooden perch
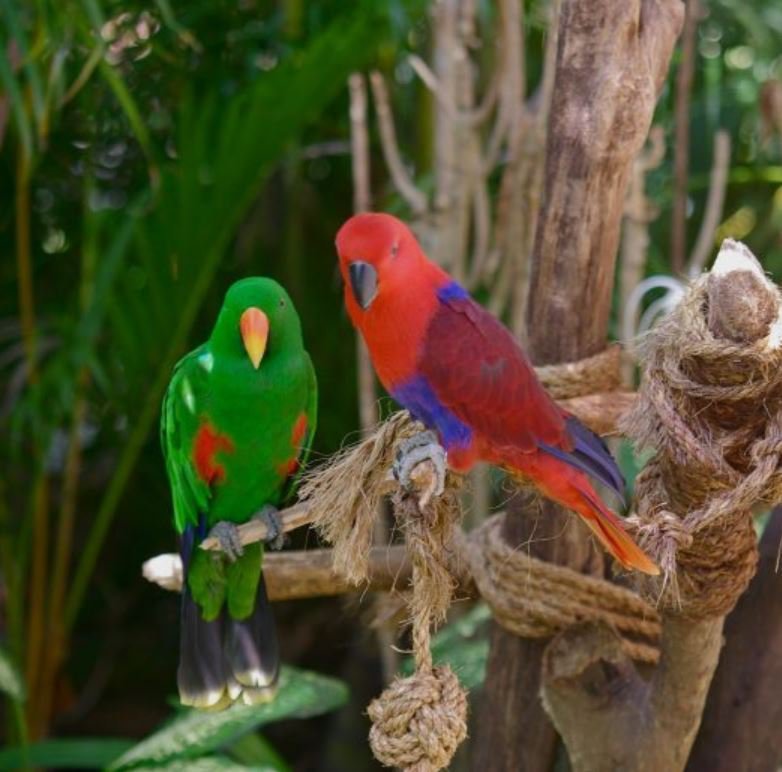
[(257, 530), (295, 574)]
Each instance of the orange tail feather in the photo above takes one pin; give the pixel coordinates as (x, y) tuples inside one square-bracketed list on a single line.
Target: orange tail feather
[(573, 491), (612, 535)]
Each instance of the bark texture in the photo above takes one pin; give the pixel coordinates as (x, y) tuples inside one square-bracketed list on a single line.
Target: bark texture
[(743, 715), (611, 62)]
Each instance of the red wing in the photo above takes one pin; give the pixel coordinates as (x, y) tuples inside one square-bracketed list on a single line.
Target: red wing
[(478, 371)]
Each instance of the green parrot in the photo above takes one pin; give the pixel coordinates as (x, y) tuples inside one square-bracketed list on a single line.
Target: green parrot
[(237, 423)]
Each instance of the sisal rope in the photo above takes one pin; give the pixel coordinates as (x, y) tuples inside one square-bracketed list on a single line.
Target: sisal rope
[(591, 375), (712, 410), (418, 722), (536, 599)]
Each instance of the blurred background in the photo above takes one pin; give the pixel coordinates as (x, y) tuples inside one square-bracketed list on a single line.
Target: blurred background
[(151, 153)]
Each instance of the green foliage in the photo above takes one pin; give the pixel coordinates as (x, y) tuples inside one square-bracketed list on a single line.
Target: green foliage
[(206, 764), (196, 733), (84, 753), (255, 750), (189, 741), (11, 681), (464, 645)]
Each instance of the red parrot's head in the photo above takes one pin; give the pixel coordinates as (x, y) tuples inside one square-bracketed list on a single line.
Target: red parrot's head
[(378, 257)]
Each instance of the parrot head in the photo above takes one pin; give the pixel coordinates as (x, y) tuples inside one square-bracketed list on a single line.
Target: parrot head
[(257, 319), (378, 257)]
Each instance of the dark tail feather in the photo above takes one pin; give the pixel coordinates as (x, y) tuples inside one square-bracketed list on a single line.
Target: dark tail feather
[(201, 676), (591, 455), (252, 652)]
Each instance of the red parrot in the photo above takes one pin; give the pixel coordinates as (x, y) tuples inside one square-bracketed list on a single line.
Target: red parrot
[(460, 372)]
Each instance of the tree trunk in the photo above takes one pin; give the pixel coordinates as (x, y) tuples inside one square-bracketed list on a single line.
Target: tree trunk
[(743, 715), (611, 63)]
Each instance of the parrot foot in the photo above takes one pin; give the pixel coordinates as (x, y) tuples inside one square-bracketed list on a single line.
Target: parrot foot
[(228, 535), (270, 517), (413, 452)]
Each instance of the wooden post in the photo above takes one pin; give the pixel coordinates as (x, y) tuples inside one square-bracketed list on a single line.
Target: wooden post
[(611, 62), (743, 714)]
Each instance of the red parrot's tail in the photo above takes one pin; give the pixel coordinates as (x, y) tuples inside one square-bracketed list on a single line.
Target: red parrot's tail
[(612, 534), (573, 490)]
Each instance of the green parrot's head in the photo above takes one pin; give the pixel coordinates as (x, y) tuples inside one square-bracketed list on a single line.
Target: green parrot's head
[(257, 320)]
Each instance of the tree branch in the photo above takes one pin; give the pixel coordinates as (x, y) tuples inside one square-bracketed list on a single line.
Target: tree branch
[(388, 143)]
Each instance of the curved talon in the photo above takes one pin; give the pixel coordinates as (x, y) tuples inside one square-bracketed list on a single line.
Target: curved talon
[(275, 536), (421, 448), (228, 535)]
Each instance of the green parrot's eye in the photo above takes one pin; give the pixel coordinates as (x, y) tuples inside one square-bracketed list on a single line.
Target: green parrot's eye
[(282, 302)]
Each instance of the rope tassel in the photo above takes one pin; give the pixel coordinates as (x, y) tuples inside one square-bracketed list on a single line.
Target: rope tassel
[(418, 722)]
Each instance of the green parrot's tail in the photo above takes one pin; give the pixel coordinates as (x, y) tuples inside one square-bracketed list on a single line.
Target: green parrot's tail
[(228, 644), (201, 676), (251, 650)]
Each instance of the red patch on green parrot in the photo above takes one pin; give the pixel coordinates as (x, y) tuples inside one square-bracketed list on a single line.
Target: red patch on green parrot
[(299, 430), (291, 466), (207, 443)]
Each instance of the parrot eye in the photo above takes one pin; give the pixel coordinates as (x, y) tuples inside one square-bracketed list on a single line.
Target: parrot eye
[(395, 249), (282, 302)]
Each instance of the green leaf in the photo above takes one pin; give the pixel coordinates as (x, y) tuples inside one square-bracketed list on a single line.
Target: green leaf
[(631, 463), (256, 750), (195, 733), (464, 645), (83, 753), (11, 681), (204, 764)]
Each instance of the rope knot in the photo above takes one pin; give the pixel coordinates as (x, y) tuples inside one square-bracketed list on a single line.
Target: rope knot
[(418, 722), (711, 407), (664, 530)]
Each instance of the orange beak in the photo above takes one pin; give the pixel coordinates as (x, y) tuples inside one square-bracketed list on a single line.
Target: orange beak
[(254, 326)]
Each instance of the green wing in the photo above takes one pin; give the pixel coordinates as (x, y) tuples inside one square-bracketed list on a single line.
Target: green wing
[(312, 423), (178, 427)]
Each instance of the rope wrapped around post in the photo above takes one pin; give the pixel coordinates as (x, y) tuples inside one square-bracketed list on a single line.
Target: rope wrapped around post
[(536, 599), (710, 404)]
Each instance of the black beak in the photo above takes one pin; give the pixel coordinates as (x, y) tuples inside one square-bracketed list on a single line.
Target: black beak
[(363, 282)]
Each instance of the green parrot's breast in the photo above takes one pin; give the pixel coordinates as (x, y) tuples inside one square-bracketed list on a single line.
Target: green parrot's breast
[(250, 435)]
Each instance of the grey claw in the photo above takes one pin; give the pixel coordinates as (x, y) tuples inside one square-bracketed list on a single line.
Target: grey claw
[(416, 449), (228, 535), (270, 516)]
